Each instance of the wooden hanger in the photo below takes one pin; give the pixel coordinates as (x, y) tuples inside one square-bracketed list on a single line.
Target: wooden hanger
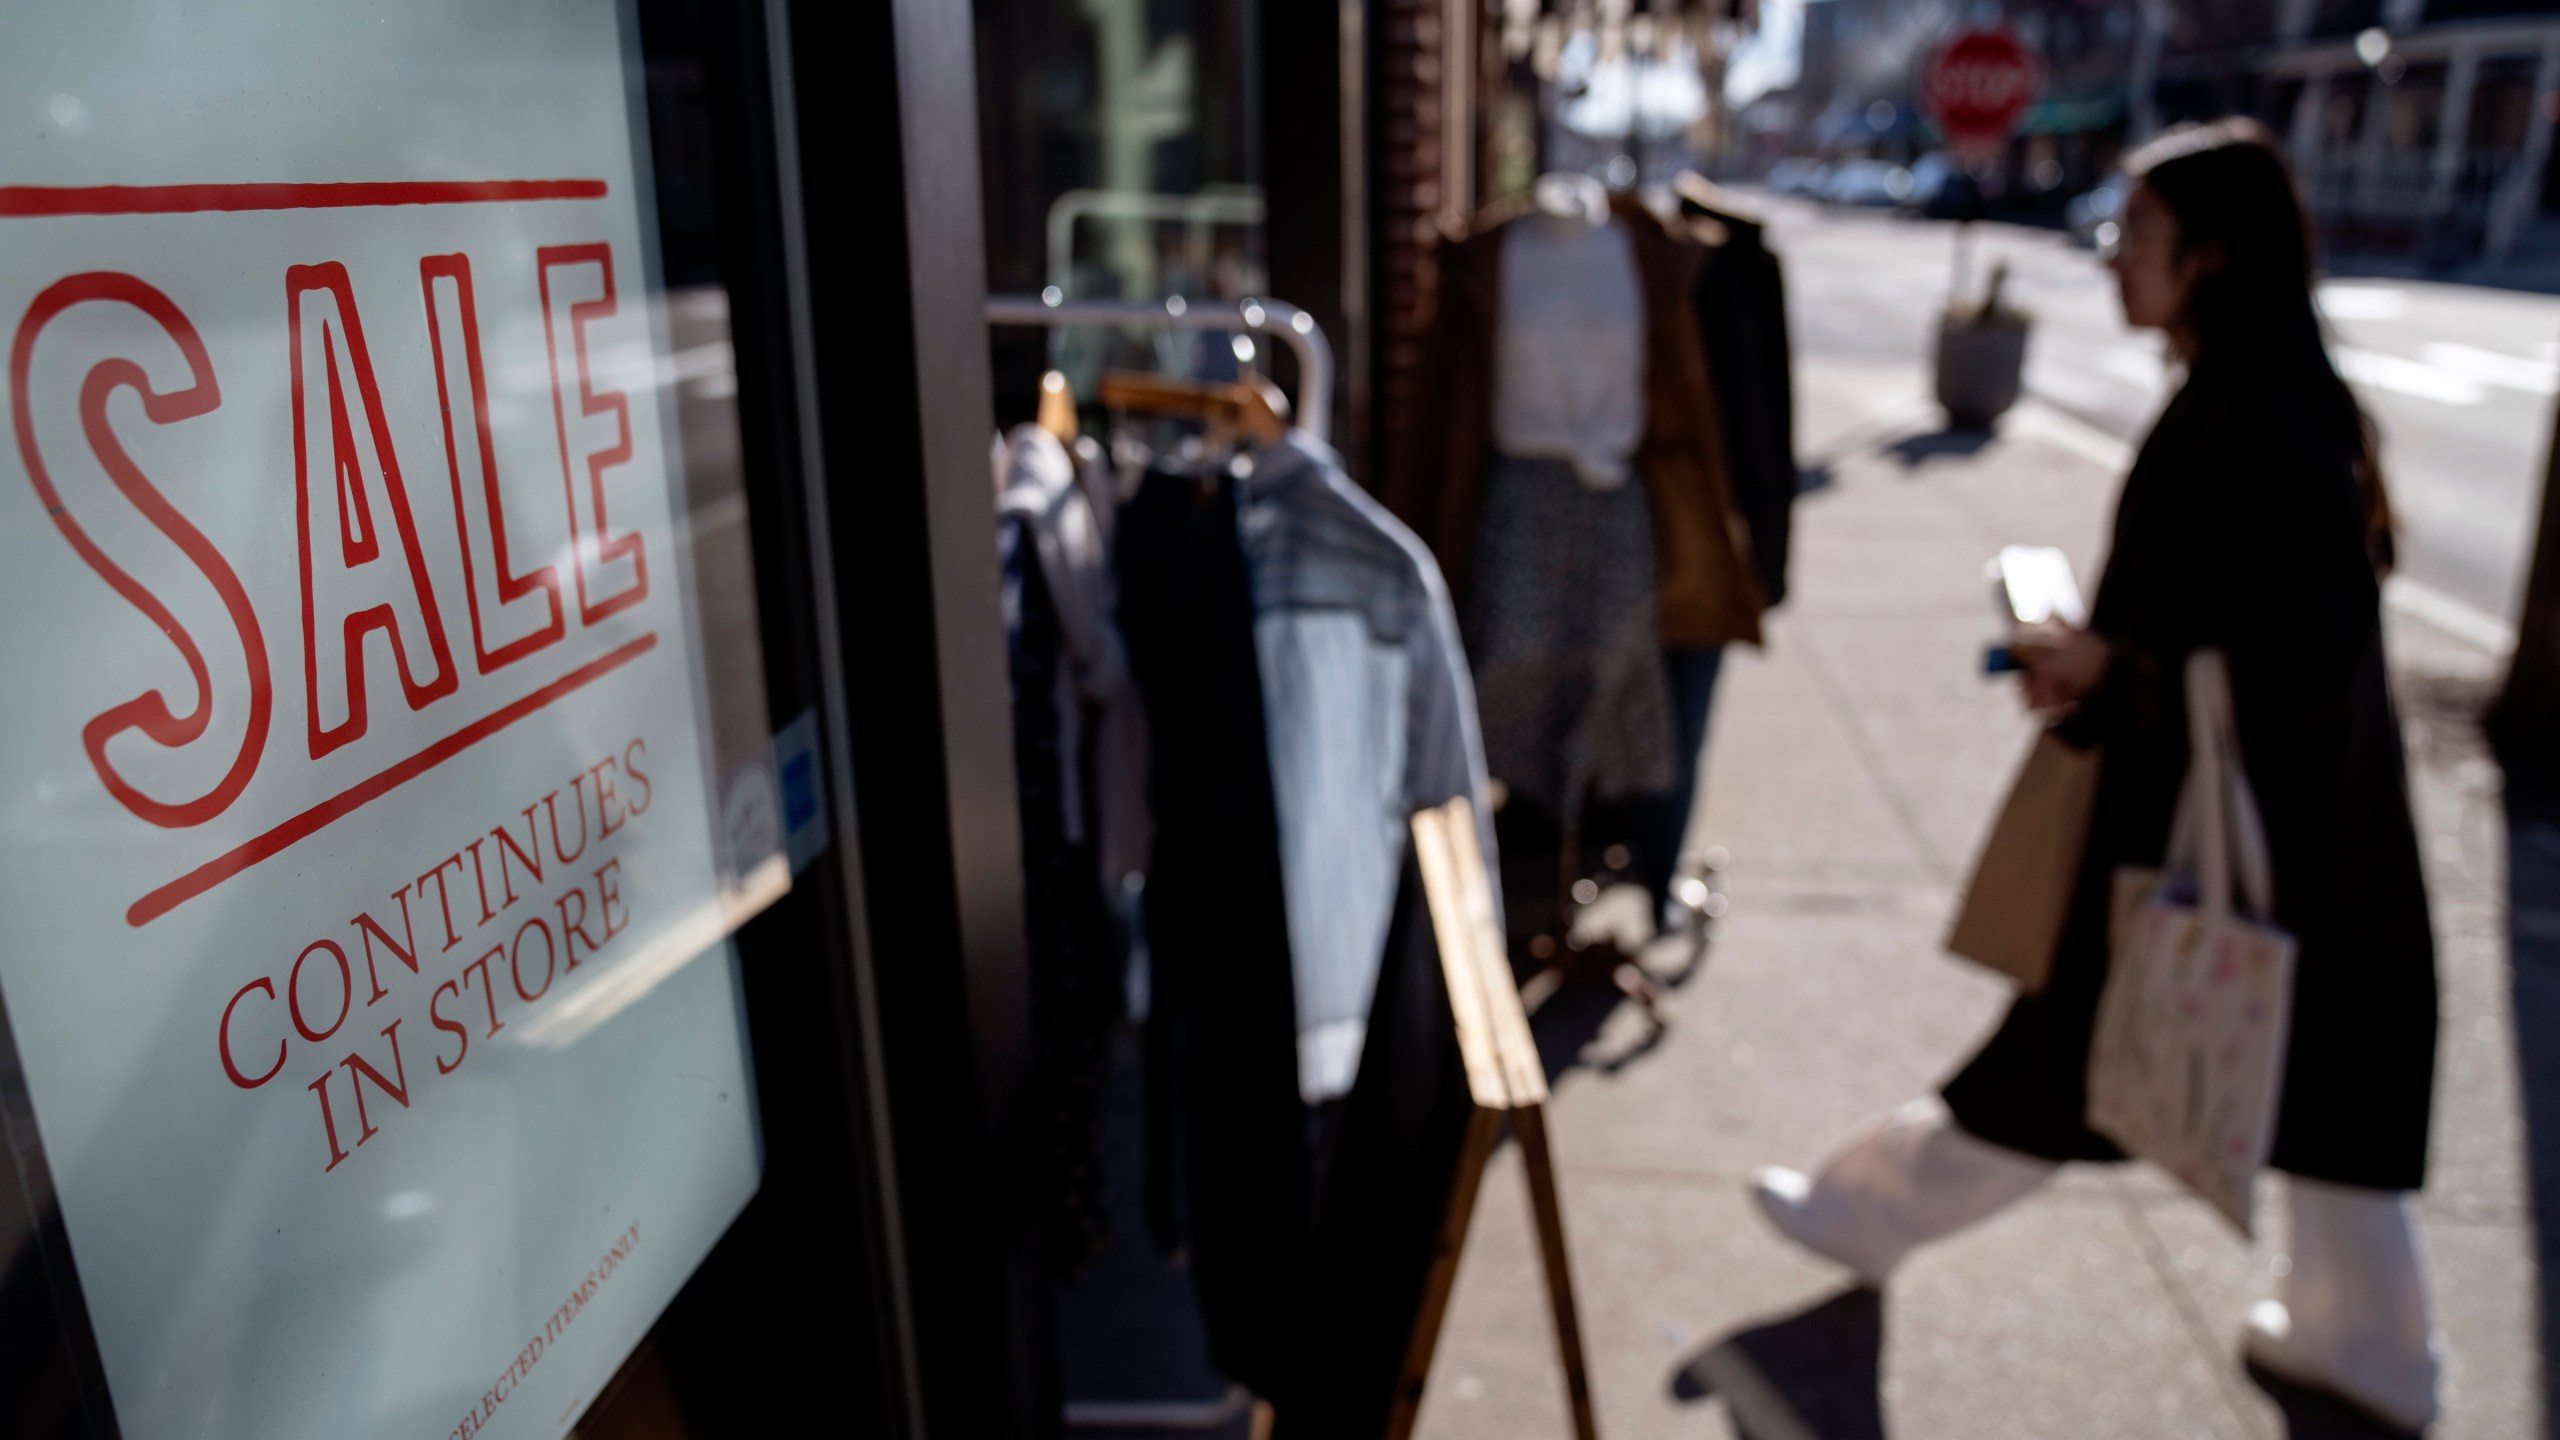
[(1252, 407), (1058, 407)]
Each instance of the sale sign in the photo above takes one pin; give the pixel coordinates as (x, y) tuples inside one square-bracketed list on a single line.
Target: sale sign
[(361, 916), (1979, 84)]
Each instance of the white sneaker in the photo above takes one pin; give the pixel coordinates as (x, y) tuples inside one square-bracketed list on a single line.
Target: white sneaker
[(1911, 1178), (2354, 1318)]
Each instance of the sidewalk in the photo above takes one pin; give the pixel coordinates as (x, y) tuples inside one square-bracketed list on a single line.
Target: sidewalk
[(1854, 765)]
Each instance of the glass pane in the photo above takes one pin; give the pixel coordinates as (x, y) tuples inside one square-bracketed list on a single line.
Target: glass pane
[(1120, 163), (391, 760)]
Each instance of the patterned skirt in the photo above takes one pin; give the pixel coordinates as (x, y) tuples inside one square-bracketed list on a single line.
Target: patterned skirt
[(1565, 638)]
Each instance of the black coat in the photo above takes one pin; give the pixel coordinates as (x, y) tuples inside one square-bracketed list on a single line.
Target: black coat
[(2242, 528), (1741, 302), (1310, 1232)]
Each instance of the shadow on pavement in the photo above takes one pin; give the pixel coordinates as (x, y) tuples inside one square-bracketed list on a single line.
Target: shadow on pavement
[(1915, 450), (1815, 1373), (2533, 951), (1568, 1021), (2312, 1415)]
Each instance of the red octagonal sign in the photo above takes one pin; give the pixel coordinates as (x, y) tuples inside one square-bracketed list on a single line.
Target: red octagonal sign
[(1979, 84)]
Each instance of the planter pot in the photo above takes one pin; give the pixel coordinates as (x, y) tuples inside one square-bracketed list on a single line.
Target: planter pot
[(1979, 364)]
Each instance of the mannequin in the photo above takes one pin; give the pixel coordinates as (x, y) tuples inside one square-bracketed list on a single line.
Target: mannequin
[(1567, 469), (1562, 620), (1569, 361)]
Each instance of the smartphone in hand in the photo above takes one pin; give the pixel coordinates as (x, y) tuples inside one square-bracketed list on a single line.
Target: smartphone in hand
[(2030, 584)]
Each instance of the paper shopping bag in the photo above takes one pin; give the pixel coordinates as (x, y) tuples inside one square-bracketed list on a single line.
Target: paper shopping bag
[(2186, 1066), (2023, 881)]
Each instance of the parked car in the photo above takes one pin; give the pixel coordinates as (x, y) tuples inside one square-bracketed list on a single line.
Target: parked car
[(2088, 212), (1867, 182), (1929, 176), (1798, 176)]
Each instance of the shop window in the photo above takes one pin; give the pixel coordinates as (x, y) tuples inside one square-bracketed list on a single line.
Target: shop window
[(1120, 162)]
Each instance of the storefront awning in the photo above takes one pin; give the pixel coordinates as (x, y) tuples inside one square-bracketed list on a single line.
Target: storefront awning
[(2075, 112)]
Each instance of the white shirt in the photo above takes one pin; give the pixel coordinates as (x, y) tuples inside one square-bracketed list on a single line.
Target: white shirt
[(1568, 372)]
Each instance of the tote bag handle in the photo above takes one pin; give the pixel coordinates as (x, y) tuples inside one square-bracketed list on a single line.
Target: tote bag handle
[(2217, 835)]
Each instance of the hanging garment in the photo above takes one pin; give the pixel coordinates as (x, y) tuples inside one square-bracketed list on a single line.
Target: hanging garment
[(1310, 1228), (1230, 1178), (1740, 303), (2243, 528), (1049, 492), (1705, 585), (1568, 370), (1074, 966), (1369, 715), (1394, 1156), (1561, 623)]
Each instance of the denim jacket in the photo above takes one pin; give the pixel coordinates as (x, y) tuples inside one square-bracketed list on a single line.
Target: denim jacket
[(1369, 715)]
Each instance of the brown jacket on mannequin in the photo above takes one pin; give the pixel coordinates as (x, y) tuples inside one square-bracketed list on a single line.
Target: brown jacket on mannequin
[(1702, 551)]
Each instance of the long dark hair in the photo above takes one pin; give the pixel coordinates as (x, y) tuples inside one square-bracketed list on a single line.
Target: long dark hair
[(2226, 184)]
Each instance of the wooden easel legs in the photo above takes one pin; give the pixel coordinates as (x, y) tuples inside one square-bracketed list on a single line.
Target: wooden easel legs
[(1504, 1079), (1530, 1124), (1484, 1132)]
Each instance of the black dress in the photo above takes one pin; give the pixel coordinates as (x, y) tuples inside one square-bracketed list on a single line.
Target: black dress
[(2242, 527)]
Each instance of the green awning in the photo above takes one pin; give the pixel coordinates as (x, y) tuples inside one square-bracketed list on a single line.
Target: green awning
[(2075, 113)]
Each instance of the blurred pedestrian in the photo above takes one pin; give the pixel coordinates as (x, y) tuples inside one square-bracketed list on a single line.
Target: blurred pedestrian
[(2254, 522)]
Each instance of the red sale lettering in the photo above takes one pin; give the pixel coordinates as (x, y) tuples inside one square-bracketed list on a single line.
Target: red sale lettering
[(148, 712), (515, 960), (359, 1070), (608, 804), (348, 589), (528, 855), (488, 994), (568, 272), (293, 990), (404, 949), (631, 754), (577, 806), (553, 1328), (574, 932), (328, 1121), (494, 591), (609, 897), (222, 1037), (372, 610), (511, 970), (435, 1013), (444, 897), (480, 878)]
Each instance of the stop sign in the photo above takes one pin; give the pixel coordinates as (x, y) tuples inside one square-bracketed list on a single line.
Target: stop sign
[(1978, 85)]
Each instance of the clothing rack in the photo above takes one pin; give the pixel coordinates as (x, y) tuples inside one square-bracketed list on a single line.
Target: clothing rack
[(1505, 1076), (1050, 309)]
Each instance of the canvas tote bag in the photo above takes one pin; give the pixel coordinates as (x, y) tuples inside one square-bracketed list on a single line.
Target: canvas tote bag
[(2022, 882), (2187, 1063)]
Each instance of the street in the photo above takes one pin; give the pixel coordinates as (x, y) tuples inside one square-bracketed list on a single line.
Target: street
[(2459, 379)]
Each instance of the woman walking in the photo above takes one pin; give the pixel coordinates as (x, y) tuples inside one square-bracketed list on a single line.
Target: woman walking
[(2254, 522)]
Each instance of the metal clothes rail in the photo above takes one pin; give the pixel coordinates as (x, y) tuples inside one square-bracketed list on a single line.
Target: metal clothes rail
[(1278, 318)]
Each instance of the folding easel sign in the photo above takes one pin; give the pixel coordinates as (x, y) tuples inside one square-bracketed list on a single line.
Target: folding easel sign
[(1506, 1082)]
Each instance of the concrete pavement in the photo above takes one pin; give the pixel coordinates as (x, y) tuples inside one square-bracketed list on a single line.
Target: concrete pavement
[(1854, 764)]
